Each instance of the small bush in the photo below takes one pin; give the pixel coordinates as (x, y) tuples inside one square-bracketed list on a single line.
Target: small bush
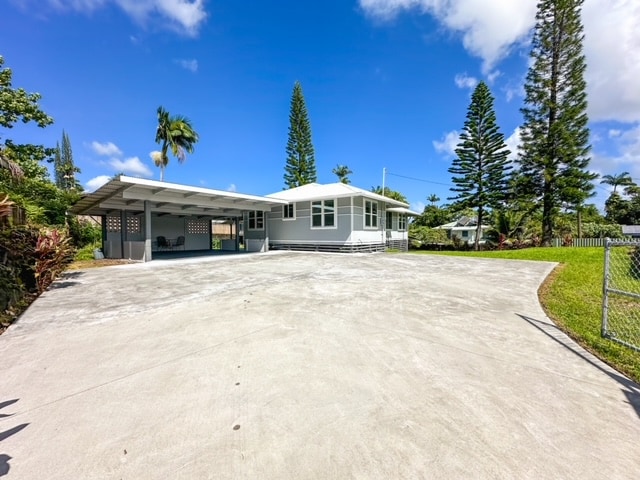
[(53, 253)]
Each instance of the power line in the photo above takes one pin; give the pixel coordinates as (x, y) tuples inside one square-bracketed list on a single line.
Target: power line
[(451, 185), (419, 179)]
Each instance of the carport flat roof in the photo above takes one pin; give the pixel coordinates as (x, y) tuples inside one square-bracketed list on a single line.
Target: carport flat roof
[(128, 193)]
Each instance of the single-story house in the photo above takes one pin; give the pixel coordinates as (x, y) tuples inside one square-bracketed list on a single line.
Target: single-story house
[(464, 228), (140, 217), (335, 217)]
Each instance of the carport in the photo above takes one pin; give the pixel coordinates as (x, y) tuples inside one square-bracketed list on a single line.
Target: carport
[(140, 217)]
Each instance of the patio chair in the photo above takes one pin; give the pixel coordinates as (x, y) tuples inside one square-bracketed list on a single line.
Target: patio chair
[(179, 242), (162, 242)]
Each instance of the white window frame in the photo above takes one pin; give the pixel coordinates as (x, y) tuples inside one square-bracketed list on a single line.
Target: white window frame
[(286, 209), (324, 213), (402, 222), (258, 217), (373, 217)]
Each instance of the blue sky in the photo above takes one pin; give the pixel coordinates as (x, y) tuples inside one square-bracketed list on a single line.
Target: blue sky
[(387, 83)]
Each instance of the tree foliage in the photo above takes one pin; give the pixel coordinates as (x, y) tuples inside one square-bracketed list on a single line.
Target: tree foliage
[(617, 180), (64, 167), (300, 167), (175, 133), (30, 255), (434, 216), (555, 137), (342, 172), (17, 104), (624, 210), (480, 168), (390, 193)]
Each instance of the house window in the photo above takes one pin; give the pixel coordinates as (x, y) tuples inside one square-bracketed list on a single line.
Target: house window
[(256, 220), (465, 234), (289, 211), (389, 223), (402, 222), (370, 214), (323, 214)]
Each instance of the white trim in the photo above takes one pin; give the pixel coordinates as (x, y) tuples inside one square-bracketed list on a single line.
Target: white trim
[(295, 211), (402, 220), (370, 215), (352, 213), (323, 214)]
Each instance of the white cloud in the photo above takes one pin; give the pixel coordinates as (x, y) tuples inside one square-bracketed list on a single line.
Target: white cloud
[(108, 149), (96, 182), (131, 165), (612, 48), (489, 29), (512, 144), (231, 188), (465, 81), (614, 133), (191, 65), (448, 144), (185, 16), (626, 148)]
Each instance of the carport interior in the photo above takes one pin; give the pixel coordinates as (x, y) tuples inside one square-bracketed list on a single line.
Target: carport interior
[(140, 217)]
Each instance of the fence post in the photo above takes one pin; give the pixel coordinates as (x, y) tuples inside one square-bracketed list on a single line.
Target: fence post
[(605, 288)]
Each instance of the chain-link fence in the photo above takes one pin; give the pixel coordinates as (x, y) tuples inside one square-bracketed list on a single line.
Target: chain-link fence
[(621, 303)]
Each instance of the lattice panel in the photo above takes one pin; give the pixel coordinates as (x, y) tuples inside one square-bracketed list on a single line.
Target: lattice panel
[(197, 226), (113, 224), (134, 225)]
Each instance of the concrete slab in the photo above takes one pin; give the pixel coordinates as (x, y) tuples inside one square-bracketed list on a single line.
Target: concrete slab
[(308, 366)]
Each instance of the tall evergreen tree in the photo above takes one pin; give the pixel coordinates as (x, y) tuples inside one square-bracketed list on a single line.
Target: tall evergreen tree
[(64, 168), (555, 138), (300, 168), (480, 168), (57, 167)]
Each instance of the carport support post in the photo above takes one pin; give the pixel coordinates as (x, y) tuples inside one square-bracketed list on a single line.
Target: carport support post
[(266, 230), (147, 231), (236, 222), (123, 231)]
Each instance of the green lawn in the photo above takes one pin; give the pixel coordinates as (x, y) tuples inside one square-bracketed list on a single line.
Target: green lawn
[(572, 297)]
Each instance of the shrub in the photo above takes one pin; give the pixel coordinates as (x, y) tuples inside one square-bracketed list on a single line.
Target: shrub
[(53, 253)]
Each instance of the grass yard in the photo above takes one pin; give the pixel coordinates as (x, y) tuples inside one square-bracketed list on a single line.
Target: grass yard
[(572, 297)]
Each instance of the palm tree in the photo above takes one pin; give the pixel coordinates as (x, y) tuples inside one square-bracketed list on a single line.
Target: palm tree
[(622, 179), (173, 132), (433, 199), (343, 172)]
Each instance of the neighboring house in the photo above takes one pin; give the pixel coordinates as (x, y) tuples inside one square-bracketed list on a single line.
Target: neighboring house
[(332, 217), (632, 231), (464, 228)]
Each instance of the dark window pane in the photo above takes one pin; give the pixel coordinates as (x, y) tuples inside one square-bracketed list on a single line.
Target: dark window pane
[(328, 220)]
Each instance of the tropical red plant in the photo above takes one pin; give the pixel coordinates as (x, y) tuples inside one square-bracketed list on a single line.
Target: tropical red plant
[(53, 252)]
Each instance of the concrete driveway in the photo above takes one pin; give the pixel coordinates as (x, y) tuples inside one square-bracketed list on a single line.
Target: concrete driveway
[(308, 366)]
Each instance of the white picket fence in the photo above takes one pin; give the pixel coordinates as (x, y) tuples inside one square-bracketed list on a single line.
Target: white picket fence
[(587, 242)]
